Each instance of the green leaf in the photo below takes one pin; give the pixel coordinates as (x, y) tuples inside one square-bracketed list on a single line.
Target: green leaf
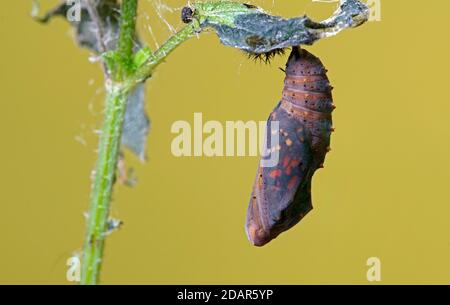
[(142, 56)]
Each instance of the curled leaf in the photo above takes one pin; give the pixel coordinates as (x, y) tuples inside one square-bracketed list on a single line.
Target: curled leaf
[(87, 28), (249, 28)]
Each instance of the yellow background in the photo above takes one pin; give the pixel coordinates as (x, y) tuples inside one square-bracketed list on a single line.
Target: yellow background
[(384, 191)]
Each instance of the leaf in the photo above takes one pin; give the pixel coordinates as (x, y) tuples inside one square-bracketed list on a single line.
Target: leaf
[(136, 124), (86, 28), (142, 56), (256, 31)]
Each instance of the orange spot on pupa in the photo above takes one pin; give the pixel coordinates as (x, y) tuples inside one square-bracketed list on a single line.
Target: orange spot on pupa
[(275, 173), (288, 142)]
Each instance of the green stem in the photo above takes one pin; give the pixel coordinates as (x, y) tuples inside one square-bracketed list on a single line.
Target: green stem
[(108, 153), (126, 38), (109, 148)]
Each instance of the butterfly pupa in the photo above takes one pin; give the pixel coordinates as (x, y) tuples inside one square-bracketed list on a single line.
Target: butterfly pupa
[(281, 195)]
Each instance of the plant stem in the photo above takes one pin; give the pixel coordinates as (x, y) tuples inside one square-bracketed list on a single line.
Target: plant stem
[(103, 184), (126, 38), (109, 148)]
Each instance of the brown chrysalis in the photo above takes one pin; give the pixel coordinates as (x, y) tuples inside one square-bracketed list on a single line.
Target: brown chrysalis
[(282, 194)]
